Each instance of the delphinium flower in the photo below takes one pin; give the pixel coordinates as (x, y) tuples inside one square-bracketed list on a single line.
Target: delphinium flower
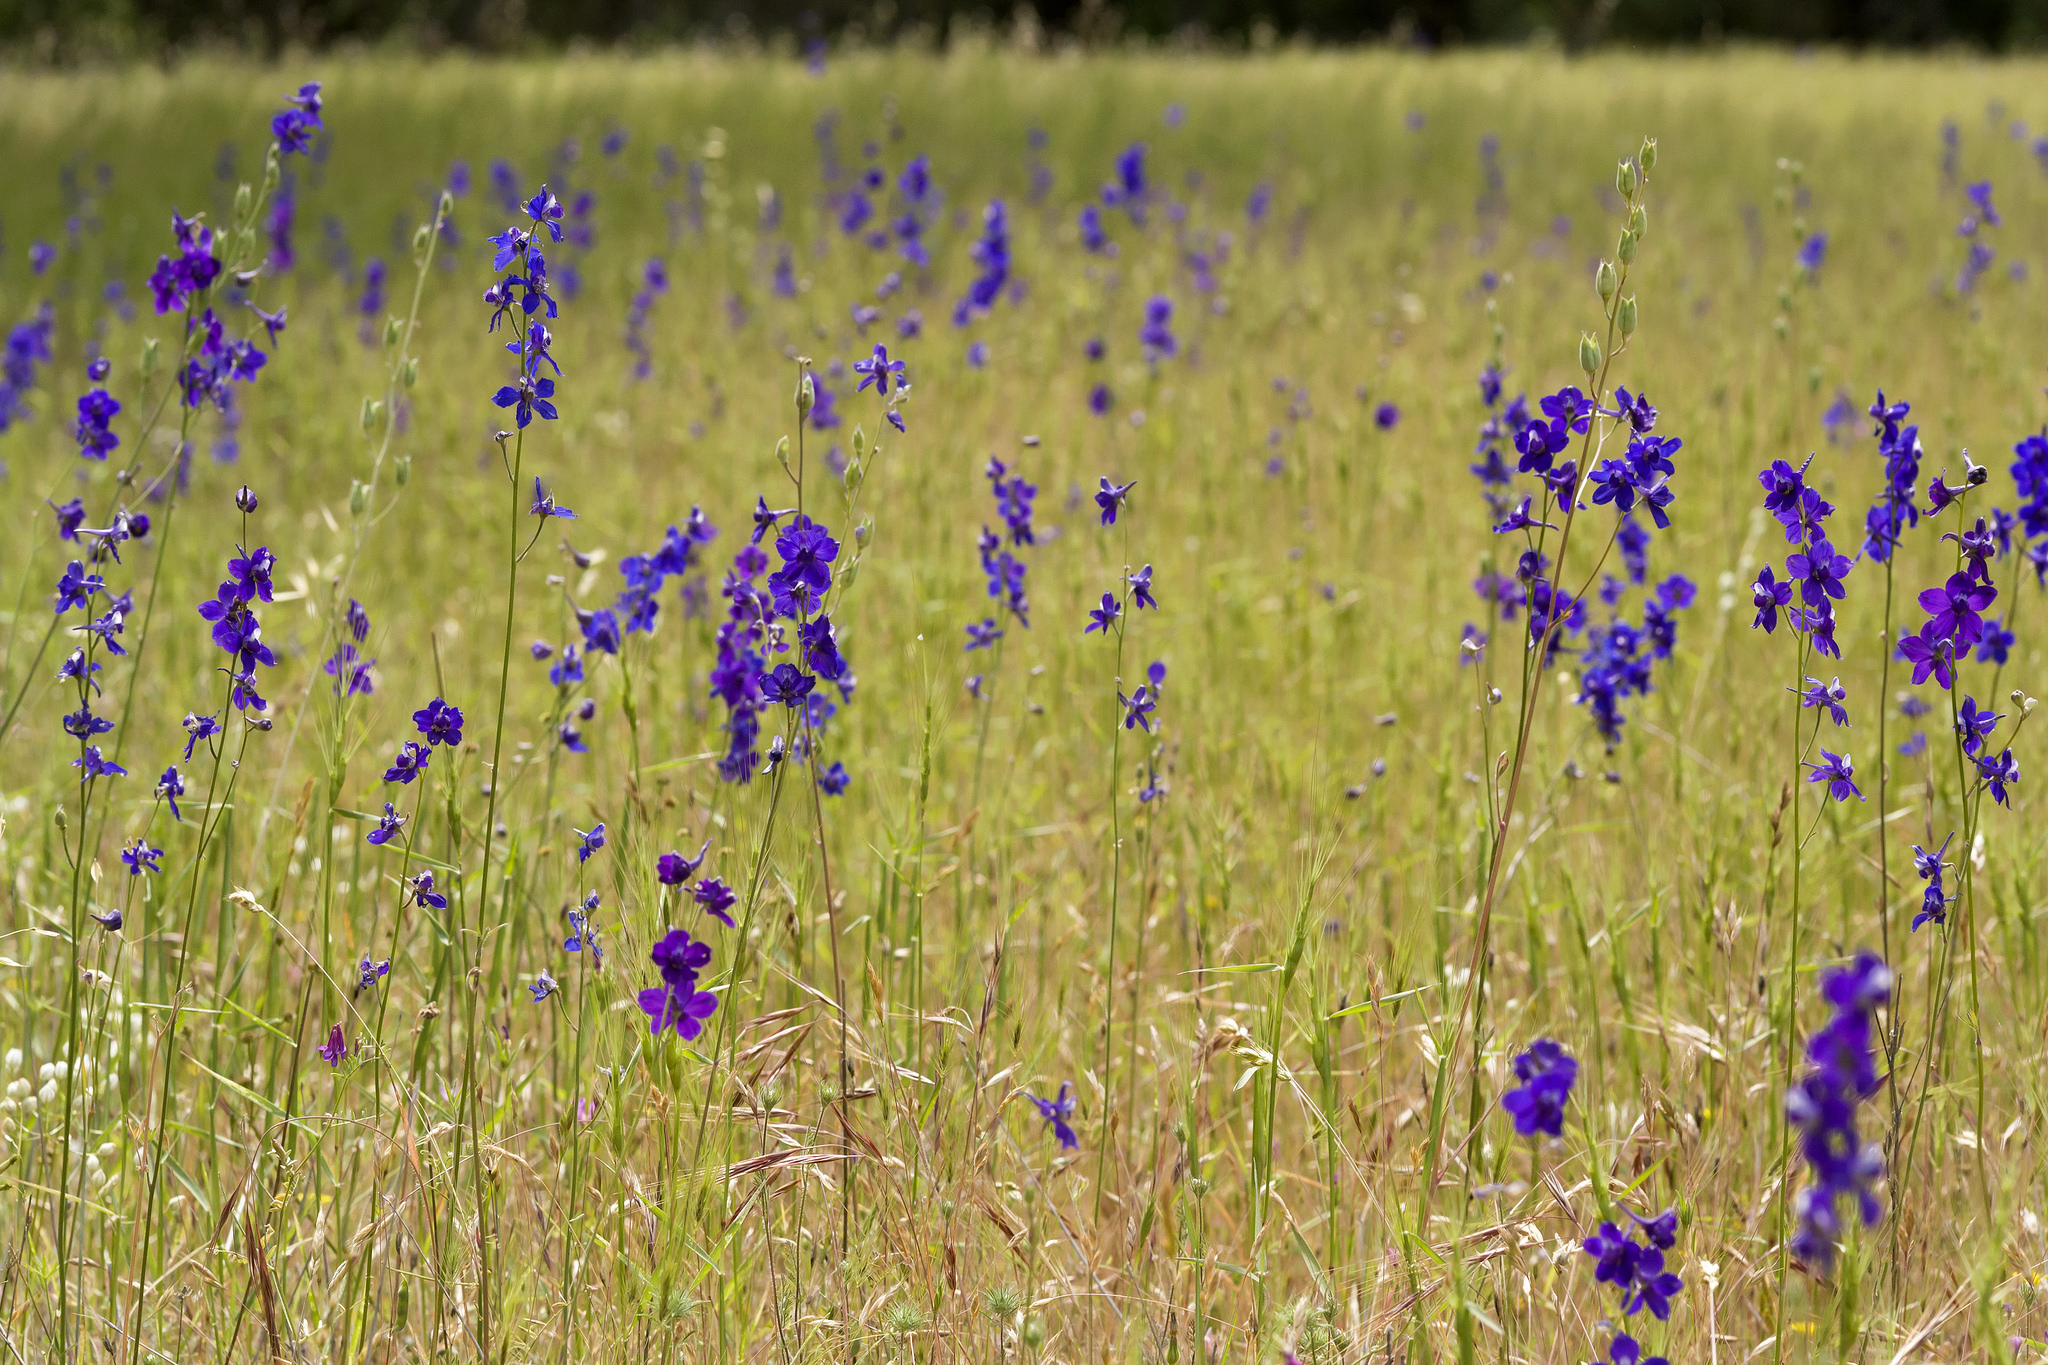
[(673, 869), (1546, 1072), (1005, 572), (677, 1003), (1056, 1112), (1838, 773), (653, 284), (1841, 1075), (1619, 658), (335, 1049), (169, 788), (1131, 189), (1996, 772), (543, 986), (369, 972), (639, 602), (388, 825), (524, 288), (1934, 901), (589, 842), (294, 126), (421, 888), (1894, 511), (887, 379), (1978, 255), (439, 723), (236, 630), (583, 929), (27, 345), (716, 899), (991, 257), (1156, 337), (1636, 1269), (737, 675), (139, 857), (1826, 696)]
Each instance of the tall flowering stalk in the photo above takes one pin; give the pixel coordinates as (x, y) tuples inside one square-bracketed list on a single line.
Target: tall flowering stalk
[(1134, 594), (209, 362), (1640, 476)]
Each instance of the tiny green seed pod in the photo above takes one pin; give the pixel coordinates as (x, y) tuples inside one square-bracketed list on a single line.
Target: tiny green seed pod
[(1648, 156), (1626, 248), (1625, 178), (1606, 281), (1639, 220), (1625, 317), (1589, 353)]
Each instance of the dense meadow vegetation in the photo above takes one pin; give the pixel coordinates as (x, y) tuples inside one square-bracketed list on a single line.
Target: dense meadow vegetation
[(1001, 708)]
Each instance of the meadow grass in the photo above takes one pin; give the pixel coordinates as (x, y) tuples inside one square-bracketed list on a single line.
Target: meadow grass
[(1258, 978)]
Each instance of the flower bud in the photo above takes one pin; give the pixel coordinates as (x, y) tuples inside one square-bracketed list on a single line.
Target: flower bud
[(1625, 317), (358, 497), (1648, 156), (1639, 220), (148, 365), (1606, 281), (245, 499), (272, 170), (853, 475), (63, 820), (860, 442), (391, 328), (1625, 178), (421, 235), (1781, 326), (1626, 248), (446, 206), (804, 395), (863, 533), (782, 454), (1589, 353), (401, 473), (244, 197), (410, 375)]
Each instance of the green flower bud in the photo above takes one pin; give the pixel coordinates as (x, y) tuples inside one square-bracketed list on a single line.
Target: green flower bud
[(1626, 248), (1625, 178), (373, 408), (391, 330), (1648, 156), (1639, 220), (401, 473), (1782, 327), (804, 395), (244, 198), (860, 442), (1606, 281), (421, 235), (1589, 353), (358, 497), (148, 365), (410, 375), (782, 453), (1625, 317)]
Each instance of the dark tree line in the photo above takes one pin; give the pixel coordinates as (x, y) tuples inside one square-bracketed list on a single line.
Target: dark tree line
[(59, 30)]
